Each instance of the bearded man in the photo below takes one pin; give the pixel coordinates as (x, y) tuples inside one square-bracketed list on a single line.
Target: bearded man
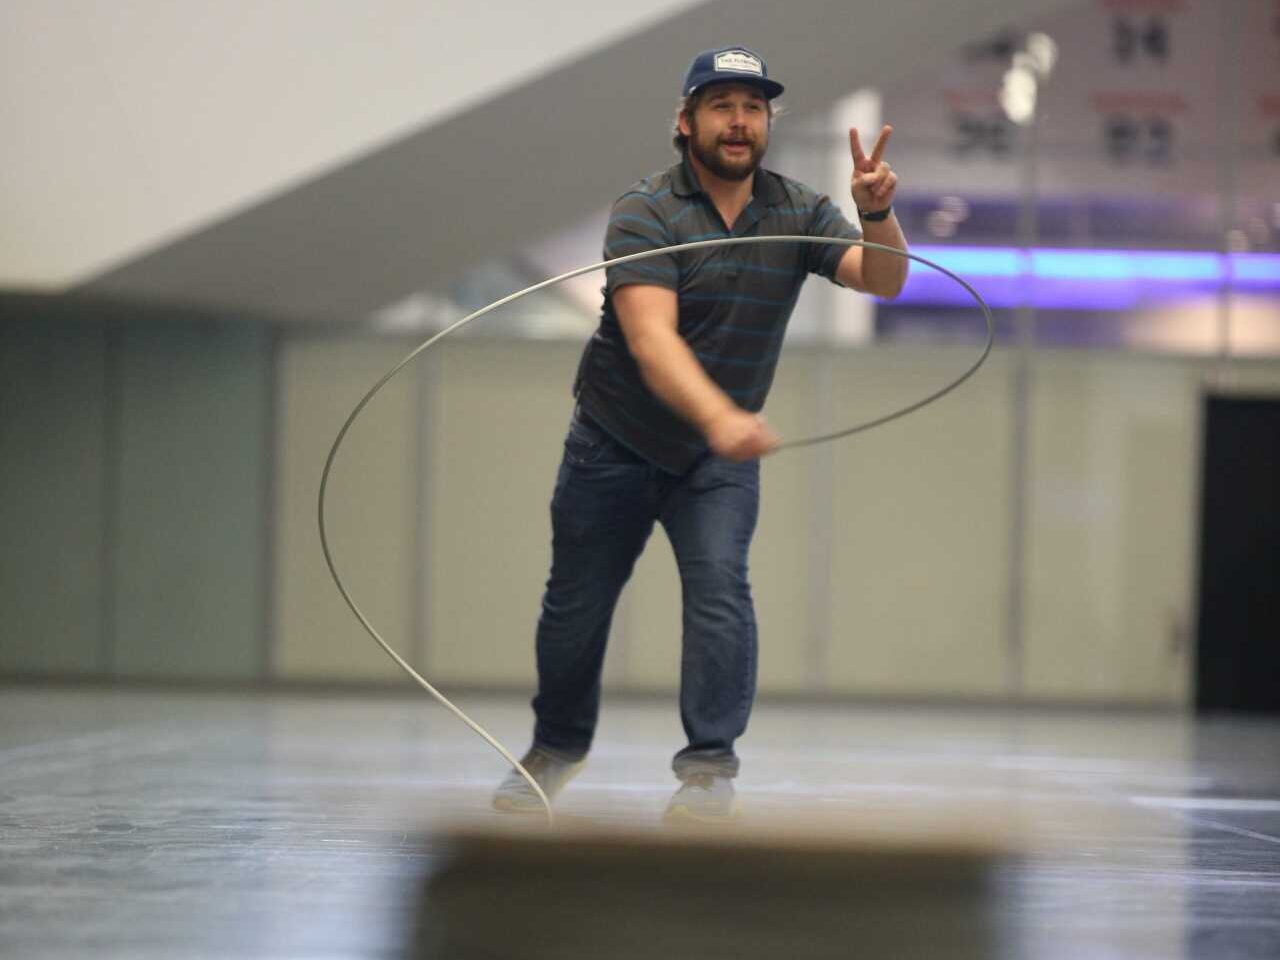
[(667, 426)]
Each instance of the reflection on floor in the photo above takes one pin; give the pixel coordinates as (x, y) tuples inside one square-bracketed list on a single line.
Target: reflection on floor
[(156, 824)]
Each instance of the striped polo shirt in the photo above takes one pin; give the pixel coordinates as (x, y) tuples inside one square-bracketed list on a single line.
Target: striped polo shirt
[(734, 300)]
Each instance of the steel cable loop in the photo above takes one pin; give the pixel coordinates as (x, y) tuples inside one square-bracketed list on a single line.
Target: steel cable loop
[(643, 255)]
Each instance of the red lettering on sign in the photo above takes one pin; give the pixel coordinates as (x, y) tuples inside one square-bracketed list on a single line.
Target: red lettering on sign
[(1146, 102), (966, 98)]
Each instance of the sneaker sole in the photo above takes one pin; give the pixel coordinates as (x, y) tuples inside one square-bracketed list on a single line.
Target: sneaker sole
[(507, 805), (682, 814)]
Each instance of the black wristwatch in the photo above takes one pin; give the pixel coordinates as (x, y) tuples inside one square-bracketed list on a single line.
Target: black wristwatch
[(877, 216)]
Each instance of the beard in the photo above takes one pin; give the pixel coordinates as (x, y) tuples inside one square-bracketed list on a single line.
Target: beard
[(708, 152)]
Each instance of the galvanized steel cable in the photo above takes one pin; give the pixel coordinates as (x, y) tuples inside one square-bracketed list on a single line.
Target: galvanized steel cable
[(787, 445)]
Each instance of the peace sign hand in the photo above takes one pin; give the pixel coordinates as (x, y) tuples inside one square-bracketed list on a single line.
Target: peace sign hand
[(873, 183)]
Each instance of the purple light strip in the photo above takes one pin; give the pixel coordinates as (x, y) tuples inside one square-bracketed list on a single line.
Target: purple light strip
[(1087, 279)]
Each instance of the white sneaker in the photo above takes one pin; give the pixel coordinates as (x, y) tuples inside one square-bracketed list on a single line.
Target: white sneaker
[(514, 795), (703, 798)]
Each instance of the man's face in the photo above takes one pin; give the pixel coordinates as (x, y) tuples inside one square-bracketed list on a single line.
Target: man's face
[(728, 130)]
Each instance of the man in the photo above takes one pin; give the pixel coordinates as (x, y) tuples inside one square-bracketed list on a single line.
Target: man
[(667, 425)]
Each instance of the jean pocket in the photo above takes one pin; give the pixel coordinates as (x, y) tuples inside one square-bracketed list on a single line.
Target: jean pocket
[(585, 442)]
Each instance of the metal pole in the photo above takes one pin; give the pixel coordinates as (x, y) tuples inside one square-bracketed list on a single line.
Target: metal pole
[(1020, 387)]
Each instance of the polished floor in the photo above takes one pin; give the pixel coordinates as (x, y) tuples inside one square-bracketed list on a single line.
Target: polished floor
[(179, 824)]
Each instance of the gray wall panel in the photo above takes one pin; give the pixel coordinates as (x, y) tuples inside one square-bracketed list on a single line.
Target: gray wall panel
[(371, 510), (51, 512), (189, 571)]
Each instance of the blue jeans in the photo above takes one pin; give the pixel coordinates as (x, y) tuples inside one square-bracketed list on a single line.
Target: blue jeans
[(605, 504)]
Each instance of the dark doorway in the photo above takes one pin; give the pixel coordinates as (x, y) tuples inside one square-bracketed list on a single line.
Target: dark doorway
[(1238, 638)]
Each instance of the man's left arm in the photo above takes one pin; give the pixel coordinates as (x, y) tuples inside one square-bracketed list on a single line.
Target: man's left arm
[(874, 185)]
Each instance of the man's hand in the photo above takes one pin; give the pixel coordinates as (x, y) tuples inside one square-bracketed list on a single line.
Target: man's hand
[(738, 435), (873, 183)]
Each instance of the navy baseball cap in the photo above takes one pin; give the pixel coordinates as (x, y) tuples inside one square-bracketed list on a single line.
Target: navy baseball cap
[(734, 64)]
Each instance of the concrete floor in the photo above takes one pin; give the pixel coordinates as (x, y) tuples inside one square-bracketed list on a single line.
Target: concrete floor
[(180, 824)]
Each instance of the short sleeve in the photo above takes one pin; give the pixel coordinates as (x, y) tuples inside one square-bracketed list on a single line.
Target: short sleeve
[(636, 225), (828, 221)]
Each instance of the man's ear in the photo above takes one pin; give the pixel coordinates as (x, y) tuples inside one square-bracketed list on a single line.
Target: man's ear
[(684, 124)]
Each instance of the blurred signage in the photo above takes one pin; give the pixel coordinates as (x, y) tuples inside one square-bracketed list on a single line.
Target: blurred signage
[(1131, 105)]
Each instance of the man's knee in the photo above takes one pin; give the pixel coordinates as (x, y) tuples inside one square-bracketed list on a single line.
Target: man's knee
[(714, 577)]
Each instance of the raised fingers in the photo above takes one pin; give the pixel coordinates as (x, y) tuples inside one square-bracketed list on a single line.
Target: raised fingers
[(855, 146), (882, 141)]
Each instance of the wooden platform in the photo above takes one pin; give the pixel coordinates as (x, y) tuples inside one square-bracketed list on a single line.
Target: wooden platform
[(810, 886)]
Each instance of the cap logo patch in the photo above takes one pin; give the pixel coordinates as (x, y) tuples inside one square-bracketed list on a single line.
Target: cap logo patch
[(738, 61)]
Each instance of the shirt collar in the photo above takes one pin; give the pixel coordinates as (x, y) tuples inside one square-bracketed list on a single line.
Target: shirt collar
[(767, 188), (684, 180)]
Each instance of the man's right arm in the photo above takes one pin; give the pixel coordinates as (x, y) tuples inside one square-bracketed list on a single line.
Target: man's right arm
[(648, 315)]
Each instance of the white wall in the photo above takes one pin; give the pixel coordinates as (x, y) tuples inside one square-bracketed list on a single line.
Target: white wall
[(881, 569), (137, 121)]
